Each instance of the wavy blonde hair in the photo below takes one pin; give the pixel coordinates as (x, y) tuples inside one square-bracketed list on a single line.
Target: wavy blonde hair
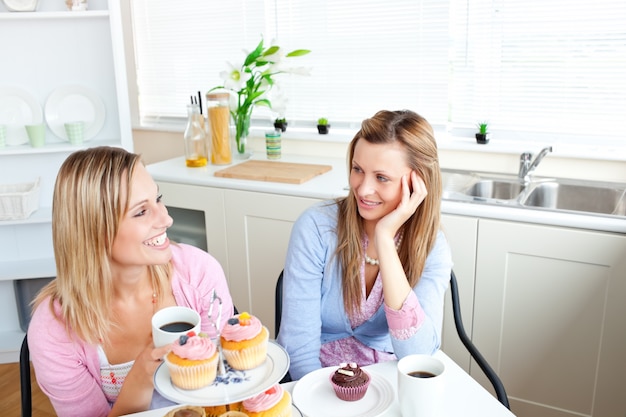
[(88, 204), (420, 230)]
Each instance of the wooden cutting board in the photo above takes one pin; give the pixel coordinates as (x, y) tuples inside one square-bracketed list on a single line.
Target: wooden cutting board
[(273, 171)]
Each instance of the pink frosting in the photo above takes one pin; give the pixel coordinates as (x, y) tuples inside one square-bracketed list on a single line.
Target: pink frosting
[(237, 332), (265, 400), (196, 348)]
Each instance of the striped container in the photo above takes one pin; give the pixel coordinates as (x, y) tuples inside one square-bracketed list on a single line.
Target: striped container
[(273, 144)]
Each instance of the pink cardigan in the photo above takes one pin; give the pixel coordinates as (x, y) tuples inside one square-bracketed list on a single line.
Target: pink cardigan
[(68, 369)]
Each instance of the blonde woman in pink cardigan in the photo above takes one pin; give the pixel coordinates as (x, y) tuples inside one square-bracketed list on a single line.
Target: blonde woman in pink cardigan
[(90, 334)]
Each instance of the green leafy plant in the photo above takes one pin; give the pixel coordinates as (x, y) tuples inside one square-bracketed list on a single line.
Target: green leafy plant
[(323, 126), (251, 82), (281, 123), (483, 136), (482, 127)]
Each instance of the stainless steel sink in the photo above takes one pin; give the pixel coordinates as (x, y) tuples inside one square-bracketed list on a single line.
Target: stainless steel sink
[(559, 195), (496, 189), (481, 187), (554, 194)]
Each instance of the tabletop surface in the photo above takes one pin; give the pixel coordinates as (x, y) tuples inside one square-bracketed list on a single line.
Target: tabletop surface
[(463, 395)]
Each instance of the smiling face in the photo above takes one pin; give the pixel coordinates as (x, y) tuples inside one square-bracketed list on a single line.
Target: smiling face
[(376, 177), (141, 237)]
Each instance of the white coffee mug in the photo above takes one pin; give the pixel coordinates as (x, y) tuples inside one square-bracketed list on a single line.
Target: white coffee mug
[(420, 386), (170, 323)]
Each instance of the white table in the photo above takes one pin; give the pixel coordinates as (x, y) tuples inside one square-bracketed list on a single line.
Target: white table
[(463, 395)]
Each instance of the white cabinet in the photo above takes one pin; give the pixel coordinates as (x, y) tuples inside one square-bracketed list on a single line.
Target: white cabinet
[(44, 52), (211, 224), (247, 232), (259, 226), (549, 315)]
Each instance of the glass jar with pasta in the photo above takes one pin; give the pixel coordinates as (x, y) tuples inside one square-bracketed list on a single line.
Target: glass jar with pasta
[(218, 115)]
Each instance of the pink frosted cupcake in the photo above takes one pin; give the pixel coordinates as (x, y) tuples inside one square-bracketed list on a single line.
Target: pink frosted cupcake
[(350, 382), (244, 342), (274, 402), (192, 362)]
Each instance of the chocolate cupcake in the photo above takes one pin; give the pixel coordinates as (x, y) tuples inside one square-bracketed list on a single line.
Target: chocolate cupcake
[(350, 382)]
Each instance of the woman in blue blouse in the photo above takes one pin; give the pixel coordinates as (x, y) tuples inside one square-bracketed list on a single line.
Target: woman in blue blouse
[(365, 275)]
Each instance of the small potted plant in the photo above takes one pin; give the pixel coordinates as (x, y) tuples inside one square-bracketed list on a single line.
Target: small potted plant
[(483, 135), (280, 124), (322, 126)]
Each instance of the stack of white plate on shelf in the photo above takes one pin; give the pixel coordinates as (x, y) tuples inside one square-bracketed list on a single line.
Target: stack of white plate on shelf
[(67, 103), (21, 5), (17, 109)]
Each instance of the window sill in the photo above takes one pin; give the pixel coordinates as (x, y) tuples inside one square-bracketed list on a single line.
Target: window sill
[(445, 141), (448, 142)]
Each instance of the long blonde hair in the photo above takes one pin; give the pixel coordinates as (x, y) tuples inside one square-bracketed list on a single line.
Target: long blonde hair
[(88, 204), (420, 230)]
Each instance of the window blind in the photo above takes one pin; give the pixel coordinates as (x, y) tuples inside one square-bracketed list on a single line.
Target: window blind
[(555, 68), (544, 67)]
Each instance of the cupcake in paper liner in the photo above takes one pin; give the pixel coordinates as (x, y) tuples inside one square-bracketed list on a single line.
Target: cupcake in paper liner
[(274, 402), (244, 342), (350, 382), (192, 362), (187, 411), (225, 410)]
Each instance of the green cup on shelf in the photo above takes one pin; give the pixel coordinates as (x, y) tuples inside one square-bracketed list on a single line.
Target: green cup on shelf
[(36, 134), (3, 136), (75, 132)]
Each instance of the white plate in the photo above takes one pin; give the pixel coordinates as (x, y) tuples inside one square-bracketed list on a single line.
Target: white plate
[(235, 385), (18, 108), (73, 103), (315, 397)]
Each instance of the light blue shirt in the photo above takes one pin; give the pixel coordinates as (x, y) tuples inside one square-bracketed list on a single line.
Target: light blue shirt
[(313, 311)]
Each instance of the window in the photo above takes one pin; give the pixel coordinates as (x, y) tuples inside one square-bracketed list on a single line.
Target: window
[(551, 68)]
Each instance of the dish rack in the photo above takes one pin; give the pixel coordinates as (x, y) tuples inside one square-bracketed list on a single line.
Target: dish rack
[(19, 201)]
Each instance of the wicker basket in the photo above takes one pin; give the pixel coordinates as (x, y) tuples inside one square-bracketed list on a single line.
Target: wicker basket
[(18, 201)]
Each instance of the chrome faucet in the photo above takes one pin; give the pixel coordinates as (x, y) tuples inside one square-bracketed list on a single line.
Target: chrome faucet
[(527, 165)]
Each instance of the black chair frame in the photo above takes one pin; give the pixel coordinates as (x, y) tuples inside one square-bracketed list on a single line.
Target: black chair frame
[(493, 377), (25, 387)]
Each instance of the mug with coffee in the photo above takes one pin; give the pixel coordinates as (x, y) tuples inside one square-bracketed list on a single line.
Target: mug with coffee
[(420, 385), (170, 323)]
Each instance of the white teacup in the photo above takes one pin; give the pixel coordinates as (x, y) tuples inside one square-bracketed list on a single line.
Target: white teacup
[(420, 386), (170, 323)]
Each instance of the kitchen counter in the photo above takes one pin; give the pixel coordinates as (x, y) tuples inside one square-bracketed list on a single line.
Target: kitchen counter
[(328, 185), (334, 184)]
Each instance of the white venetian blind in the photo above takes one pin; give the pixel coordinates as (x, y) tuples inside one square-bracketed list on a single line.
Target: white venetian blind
[(554, 67), (180, 48), (366, 54)]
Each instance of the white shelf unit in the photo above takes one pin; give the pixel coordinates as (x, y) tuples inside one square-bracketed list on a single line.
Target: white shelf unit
[(48, 49)]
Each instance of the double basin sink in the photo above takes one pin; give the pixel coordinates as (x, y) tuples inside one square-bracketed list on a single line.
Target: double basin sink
[(554, 194)]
